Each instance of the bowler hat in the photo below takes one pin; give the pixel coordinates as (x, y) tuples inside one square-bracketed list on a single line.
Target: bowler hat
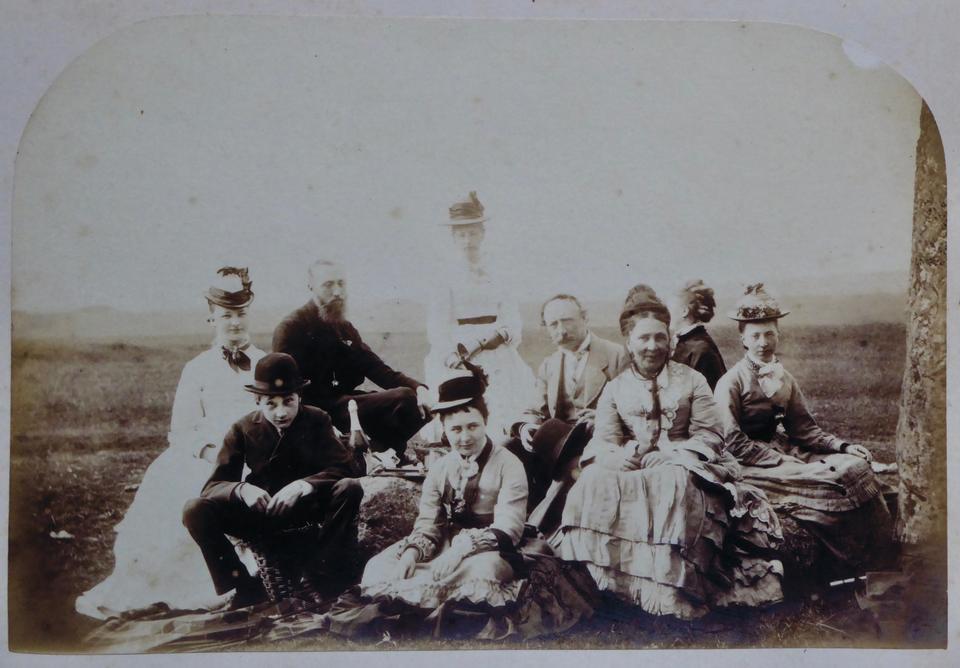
[(459, 390), (556, 442), (276, 374), (756, 304), (230, 288)]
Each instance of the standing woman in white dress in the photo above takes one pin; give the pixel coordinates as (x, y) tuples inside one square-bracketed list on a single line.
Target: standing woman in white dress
[(155, 559), (476, 308)]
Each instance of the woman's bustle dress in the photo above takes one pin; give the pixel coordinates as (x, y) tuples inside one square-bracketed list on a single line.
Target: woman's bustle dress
[(681, 534), (155, 559), (493, 518), (510, 584), (783, 451)]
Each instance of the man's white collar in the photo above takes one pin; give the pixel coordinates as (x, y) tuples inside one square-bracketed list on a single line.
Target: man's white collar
[(582, 348)]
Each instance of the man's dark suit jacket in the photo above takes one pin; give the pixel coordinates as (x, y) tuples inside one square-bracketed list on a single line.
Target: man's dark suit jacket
[(309, 451), (332, 356)]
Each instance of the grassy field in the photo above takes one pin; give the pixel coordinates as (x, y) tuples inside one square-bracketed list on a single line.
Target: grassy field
[(89, 418)]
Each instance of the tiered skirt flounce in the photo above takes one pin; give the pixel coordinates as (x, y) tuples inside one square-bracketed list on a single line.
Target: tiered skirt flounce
[(664, 539)]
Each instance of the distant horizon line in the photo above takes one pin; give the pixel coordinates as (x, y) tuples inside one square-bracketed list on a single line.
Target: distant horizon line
[(197, 334), (786, 295)]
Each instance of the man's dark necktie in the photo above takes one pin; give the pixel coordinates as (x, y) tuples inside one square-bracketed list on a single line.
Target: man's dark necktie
[(563, 401), (237, 359)]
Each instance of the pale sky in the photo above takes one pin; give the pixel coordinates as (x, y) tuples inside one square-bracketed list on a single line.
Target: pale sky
[(606, 153)]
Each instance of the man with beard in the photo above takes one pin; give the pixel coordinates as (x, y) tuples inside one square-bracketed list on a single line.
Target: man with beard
[(331, 354), (553, 433)]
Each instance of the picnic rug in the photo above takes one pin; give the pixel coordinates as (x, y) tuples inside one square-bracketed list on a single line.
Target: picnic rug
[(554, 597)]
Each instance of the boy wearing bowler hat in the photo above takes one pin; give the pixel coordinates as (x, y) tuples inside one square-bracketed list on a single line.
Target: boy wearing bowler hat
[(300, 473)]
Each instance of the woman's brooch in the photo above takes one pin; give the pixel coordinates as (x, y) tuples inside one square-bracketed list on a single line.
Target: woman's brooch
[(467, 471), (667, 416)]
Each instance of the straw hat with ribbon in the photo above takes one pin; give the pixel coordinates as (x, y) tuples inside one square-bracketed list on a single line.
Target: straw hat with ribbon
[(757, 304), (469, 212), (231, 288)]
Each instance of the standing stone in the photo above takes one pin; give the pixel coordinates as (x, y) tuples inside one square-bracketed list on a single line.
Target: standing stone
[(910, 606), (921, 431)]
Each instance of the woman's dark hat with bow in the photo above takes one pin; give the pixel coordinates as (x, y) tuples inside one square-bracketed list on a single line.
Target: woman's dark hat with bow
[(469, 212), (276, 374), (756, 304), (461, 388), (231, 288)]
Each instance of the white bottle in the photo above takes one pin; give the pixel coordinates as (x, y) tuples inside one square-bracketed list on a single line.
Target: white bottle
[(358, 440)]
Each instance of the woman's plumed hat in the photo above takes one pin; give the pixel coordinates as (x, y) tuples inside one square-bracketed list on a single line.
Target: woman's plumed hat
[(642, 299), (756, 304), (276, 374), (469, 212), (230, 288), (461, 388)]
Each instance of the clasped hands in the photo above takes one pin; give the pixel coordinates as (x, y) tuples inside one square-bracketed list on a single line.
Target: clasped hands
[(259, 500), (633, 456), (440, 567)]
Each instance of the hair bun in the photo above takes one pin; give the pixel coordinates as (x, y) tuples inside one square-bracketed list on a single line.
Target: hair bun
[(699, 299), (641, 298)]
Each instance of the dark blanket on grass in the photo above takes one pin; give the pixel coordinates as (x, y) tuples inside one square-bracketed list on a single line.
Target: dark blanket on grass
[(555, 596)]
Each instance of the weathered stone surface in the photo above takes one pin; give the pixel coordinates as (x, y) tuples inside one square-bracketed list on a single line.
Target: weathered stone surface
[(921, 430), (920, 609), (387, 512)]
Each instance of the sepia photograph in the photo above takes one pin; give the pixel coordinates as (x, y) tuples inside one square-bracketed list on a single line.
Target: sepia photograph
[(339, 333)]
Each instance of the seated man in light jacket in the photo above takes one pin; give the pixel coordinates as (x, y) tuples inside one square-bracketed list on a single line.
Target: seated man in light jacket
[(549, 436)]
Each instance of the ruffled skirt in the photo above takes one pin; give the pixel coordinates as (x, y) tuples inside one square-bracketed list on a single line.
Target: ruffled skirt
[(817, 481), (662, 538), (483, 594), (835, 497), (483, 578)]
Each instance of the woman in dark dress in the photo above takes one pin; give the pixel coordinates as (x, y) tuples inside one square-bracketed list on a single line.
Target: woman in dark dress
[(690, 309)]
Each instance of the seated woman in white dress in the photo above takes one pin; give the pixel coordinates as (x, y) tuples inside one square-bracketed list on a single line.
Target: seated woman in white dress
[(155, 559), (478, 311)]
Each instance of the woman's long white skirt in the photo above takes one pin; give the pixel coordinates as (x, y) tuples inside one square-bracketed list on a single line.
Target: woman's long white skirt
[(155, 559)]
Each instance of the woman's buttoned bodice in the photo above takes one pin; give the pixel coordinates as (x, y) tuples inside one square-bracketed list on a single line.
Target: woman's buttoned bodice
[(687, 411)]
